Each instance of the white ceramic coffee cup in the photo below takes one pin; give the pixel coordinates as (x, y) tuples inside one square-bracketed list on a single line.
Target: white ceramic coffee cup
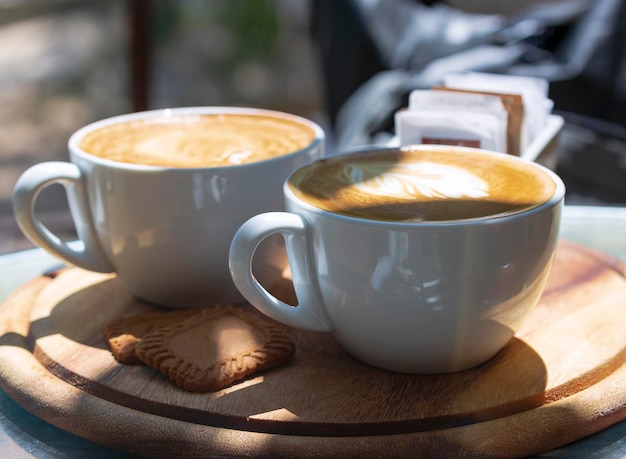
[(164, 231), (407, 297)]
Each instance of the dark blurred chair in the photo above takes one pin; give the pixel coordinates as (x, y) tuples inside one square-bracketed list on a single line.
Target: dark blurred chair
[(140, 52), (374, 53)]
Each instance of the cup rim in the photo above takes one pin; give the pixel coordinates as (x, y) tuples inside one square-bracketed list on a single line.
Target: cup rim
[(77, 136), (555, 200)]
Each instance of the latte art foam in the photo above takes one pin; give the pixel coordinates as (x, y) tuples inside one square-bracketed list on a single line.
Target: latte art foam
[(422, 185), (204, 140), (408, 181)]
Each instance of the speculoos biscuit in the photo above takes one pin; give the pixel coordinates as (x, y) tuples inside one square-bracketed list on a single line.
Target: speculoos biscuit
[(215, 348)]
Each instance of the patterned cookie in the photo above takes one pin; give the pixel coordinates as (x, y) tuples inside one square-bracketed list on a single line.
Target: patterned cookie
[(212, 350), (123, 334)]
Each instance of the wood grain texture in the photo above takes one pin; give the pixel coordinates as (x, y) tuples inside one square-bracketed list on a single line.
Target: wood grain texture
[(561, 378)]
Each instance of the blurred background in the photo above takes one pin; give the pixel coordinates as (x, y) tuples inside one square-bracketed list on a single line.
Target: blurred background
[(65, 63), (347, 64)]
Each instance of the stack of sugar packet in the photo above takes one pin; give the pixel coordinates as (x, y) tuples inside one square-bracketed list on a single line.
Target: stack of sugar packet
[(495, 112)]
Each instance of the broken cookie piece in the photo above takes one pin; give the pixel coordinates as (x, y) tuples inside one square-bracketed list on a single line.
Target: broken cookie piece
[(123, 334)]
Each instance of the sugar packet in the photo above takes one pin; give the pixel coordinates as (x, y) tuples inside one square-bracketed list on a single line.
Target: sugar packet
[(453, 118), (533, 91)]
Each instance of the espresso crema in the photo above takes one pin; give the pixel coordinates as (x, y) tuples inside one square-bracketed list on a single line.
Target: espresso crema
[(422, 185), (203, 140)]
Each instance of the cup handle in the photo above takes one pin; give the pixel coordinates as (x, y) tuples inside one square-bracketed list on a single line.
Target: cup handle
[(28, 187), (309, 314)]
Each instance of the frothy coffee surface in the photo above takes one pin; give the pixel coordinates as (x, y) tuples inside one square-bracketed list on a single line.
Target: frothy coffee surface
[(189, 140), (422, 185)]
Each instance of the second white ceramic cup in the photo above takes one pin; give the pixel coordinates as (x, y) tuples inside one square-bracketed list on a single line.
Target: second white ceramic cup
[(408, 297)]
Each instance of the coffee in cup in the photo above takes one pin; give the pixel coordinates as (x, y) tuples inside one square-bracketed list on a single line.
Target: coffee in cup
[(157, 196), (422, 259), (198, 140), (422, 185)]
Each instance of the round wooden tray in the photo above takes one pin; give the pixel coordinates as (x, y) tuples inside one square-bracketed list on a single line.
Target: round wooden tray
[(561, 379)]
